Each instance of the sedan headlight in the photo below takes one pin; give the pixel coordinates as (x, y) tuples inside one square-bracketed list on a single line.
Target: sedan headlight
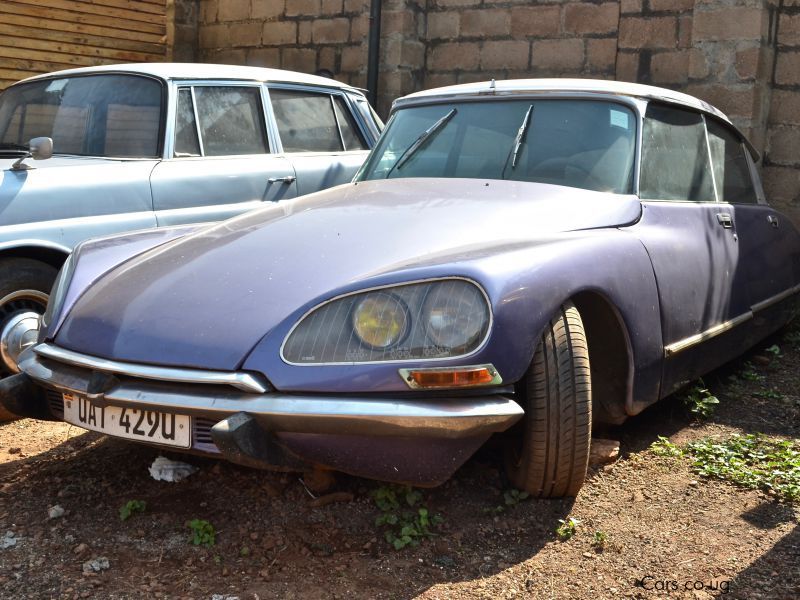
[(428, 320)]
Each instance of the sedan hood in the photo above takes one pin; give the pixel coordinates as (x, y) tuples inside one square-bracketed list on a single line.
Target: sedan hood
[(205, 300)]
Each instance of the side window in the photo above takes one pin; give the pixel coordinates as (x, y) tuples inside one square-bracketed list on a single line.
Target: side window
[(186, 140), (314, 122), (731, 169), (231, 120), (675, 161)]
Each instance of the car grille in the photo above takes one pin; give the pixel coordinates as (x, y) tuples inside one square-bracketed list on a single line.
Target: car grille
[(201, 427)]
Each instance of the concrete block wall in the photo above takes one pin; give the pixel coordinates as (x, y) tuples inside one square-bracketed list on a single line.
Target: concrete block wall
[(743, 56)]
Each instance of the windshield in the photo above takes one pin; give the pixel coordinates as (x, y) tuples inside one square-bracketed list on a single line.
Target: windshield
[(99, 115), (586, 144)]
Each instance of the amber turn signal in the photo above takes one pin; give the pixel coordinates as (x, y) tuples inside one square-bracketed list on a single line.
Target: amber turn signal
[(451, 377)]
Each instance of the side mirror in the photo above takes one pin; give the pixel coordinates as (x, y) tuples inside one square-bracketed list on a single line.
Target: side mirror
[(39, 148)]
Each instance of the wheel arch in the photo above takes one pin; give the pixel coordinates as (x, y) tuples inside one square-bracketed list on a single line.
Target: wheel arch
[(46, 252), (610, 356)]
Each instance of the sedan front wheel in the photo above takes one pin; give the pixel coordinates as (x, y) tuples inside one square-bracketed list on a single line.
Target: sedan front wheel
[(549, 455)]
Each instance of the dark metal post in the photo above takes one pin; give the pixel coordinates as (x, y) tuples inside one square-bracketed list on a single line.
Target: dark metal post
[(374, 50)]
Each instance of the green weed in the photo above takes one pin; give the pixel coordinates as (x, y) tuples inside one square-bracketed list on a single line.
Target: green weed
[(130, 508), (751, 461), (406, 522), (203, 532), (663, 447), (567, 528), (700, 401)]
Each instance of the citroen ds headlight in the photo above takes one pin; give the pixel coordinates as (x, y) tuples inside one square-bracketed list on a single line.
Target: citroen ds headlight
[(428, 320)]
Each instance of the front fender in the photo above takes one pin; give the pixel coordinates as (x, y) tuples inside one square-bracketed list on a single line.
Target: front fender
[(95, 257), (526, 283)]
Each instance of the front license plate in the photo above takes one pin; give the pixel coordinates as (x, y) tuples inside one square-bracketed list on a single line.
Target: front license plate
[(132, 423)]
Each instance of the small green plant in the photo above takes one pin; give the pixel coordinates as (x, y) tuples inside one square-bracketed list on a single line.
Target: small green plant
[(752, 461), (663, 447), (406, 523), (599, 540), (130, 508), (567, 528), (700, 401), (768, 395), (793, 338), (775, 350), (203, 533), (749, 373), (511, 498)]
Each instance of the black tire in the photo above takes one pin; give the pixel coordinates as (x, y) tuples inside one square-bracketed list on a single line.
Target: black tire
[(549, 455), (24, 285)]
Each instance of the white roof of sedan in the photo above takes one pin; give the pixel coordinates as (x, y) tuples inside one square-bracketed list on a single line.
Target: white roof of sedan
[(203, 71), (536, 86)]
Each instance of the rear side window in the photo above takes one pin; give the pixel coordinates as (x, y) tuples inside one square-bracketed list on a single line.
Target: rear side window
[(314, 122), (220, 121), (675, 159), (731, 169)]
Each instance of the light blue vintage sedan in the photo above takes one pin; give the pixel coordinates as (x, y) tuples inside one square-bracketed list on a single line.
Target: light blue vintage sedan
[(101, 150)]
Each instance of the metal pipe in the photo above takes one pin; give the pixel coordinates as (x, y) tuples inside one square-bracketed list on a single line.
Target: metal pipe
[(373, 51)]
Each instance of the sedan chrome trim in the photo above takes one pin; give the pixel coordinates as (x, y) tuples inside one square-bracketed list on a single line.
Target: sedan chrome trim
[(425, 417), (775, 299), (712, 332), (247, 382)]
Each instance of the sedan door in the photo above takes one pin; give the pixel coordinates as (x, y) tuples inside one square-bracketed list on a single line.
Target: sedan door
[(321, 134), (770, 245), (221, 161), (693, 245)]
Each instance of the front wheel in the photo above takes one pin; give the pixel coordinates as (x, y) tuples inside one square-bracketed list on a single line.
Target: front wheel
[(549, 455), (24, 287)]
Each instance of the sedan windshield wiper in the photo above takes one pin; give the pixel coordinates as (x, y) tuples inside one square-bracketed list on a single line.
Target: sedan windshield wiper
[(424, 137), (518, 140)]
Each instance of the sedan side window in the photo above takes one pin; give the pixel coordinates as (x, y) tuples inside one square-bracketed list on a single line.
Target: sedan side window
[(731, 169), (229, 121), (314, 122), (675, 160)]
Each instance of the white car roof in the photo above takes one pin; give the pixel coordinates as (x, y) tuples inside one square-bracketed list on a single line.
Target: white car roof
[(169, 71), (543, 86)]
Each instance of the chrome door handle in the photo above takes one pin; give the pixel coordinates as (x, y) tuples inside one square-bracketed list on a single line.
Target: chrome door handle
[(772, 220), (286, 179), (725, 220)]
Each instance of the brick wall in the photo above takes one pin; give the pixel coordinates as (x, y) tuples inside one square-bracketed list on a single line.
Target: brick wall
[(741, 55)]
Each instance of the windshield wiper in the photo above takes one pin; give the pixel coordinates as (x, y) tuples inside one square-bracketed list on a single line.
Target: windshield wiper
[(518, 140), (424, 137)]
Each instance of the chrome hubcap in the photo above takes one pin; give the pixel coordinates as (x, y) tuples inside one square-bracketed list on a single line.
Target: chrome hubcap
[(20, 312)]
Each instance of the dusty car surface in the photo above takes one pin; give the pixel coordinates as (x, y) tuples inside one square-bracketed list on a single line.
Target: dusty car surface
[(519, 258), (125, 147)]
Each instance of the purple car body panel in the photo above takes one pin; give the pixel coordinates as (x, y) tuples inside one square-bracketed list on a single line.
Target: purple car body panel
[(165, 309)]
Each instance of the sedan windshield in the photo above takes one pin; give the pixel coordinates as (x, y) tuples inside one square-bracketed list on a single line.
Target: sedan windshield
[(587, 144), (99, 115)]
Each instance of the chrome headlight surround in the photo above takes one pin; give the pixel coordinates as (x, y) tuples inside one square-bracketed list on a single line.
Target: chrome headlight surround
[(326, 334)]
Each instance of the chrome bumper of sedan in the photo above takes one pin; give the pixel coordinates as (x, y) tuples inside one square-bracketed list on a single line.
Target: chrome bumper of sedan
[(442, 417), (316, 428)]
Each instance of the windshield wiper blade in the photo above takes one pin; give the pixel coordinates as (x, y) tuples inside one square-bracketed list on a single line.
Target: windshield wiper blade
[(424, 137), (523, 129)]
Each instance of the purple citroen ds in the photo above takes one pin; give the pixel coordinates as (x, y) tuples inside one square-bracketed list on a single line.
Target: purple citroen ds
[(516, 258)]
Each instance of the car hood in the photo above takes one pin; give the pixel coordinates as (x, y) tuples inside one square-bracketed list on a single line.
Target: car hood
[(205, 300)]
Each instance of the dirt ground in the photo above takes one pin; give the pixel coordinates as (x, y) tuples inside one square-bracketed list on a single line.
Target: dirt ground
[(665, 527)]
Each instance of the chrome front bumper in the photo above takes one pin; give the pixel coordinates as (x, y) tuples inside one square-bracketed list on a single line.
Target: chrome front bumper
[(119, 384)]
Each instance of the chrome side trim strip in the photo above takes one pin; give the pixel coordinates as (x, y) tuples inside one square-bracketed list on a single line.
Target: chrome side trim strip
[(693, 340), (246, 382), (775, 299)]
